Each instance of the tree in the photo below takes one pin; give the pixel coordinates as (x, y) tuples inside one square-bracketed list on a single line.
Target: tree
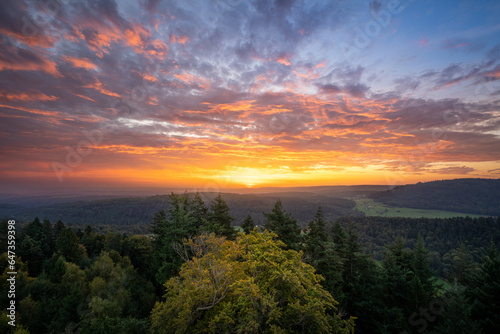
[(460, 266), (320, 253), (249, 285), (423, 276), (219, 218), (397, 291), (456, 316), (199, 211), (67, 244), (170, 229), (248, 224), (31, 252), (284, 225), (360, 286), (485, 293)]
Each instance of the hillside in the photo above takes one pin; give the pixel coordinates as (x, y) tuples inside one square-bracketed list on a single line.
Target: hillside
[(475, 196), (140, 210)]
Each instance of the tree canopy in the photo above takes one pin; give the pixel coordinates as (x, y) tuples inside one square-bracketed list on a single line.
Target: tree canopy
[(248, 285)]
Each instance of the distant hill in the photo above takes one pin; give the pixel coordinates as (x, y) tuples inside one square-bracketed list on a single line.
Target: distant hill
[(475, 196), (140, 210)]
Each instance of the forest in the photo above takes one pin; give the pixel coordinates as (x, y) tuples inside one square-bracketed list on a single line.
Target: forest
[(479, 196), (194, 272)]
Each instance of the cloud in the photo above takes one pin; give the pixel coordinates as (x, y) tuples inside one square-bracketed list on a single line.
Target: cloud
[(261, 81), (456, 170)]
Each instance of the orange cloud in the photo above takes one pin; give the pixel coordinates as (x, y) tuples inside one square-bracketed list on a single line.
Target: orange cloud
[(33, 110), (38, 39), (80, 63), (285, 60), (179, 39), (98, 86), (27, 97), (149, 77), (189, 78), (44, 65), (84, 97)]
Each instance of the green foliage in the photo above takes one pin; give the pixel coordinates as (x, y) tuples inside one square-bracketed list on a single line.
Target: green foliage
[(68, 245), (480, 196), (319, 251), (484, 291), (255, 283), (199, 211), (219, 219), (284, 225), (31, 252), (248, 224), (169, 230), (460, 266), (134, 214), (250, 285), (456, 316)]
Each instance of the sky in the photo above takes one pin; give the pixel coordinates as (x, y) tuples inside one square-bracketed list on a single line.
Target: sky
[(216, 94)]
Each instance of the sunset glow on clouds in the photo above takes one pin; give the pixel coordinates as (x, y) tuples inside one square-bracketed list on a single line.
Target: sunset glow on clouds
[(231, 93)]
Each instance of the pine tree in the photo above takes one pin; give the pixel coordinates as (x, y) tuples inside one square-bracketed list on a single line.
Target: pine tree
[(319, 252), (170, 230), (456, 316), (220, 220), (422, 271), (398, 292), (485, 293), (460, 266), (284, 225), (199, 211), (248, 224), (360, 288)]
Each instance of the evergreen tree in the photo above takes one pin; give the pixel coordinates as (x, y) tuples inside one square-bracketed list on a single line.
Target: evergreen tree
[(248, 224), (220, 220), (460, 266), (199, 211), (284, 225), (423, 276), (398, 293), (361, 285), (485, 293), (319, 252), (456, 316), (29, 251), (170, 230), (68, 245)]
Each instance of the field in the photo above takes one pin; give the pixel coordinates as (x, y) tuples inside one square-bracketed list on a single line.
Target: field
[(372, 208)]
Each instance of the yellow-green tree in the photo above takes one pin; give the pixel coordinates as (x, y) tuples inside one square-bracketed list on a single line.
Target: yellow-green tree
[(250, 285)]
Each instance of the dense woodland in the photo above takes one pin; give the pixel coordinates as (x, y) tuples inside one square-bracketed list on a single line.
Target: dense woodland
[(473, 196), (134, 214), (193, 273)]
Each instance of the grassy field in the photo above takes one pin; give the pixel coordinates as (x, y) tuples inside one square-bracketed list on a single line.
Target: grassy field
[(371, 208)]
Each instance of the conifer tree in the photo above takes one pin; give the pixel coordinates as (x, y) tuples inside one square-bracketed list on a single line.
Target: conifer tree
[(485, 293), (422, 271), (284, 225), (220, 220), (199, 211), (170, 229), (248, 224), (319, 252)]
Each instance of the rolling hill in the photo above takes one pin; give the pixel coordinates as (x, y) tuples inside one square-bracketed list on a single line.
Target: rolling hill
[(475, 196), (140, 210)]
